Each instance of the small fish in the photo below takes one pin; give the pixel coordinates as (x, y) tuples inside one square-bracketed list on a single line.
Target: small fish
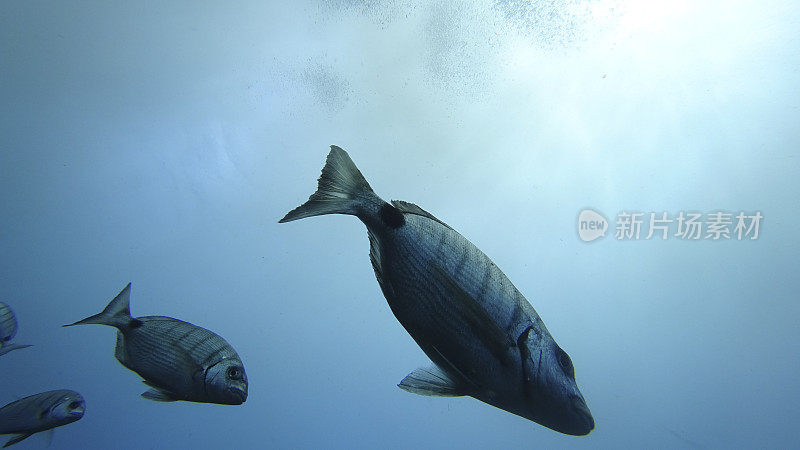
[(8, 329), (484, 337), (178, 360), (40, 412)]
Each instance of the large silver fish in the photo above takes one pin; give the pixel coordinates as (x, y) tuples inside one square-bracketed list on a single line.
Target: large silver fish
[(8, 329), (485, 339), (178, 360), (40, 412)]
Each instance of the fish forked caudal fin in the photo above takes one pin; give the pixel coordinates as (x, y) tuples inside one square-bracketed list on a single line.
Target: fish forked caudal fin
[(117, 314), (341, 189)]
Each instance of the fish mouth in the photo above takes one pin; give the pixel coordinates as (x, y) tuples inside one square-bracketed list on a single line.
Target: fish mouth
[(239, 394), (584, 422), (77, 412)]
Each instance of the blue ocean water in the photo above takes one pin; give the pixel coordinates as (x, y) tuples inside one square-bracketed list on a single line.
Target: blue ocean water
[(159, 144)]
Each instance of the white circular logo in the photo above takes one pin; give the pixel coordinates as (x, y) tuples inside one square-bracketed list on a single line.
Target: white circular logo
[(591, 225)]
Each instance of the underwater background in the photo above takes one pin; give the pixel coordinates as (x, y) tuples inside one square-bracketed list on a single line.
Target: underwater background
[(159, 143)]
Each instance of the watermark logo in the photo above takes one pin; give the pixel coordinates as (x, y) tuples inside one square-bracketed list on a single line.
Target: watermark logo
[(634, 226), (591, 225)]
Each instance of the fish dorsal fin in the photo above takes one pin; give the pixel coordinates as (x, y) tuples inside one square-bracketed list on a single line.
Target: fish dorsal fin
[(410, 208), (17, 438), (432, 381), (158, 395), (475, 315)]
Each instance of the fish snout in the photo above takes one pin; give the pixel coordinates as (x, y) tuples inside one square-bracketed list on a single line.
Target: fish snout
[(77, 412), (238, 395), (583, 422), (76, 407)]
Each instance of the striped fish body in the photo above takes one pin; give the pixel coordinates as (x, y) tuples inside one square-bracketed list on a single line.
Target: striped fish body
[(8, 329), (424, 268), (8, 323), (484, 338), (40, 412), (172, 354)]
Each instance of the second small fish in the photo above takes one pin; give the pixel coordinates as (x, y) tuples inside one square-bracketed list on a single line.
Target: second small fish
[(40, 412), (8, 329), (178, 360)]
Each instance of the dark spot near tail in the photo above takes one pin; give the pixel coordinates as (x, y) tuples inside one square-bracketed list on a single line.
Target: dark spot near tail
[(391, 216), (135, 323)]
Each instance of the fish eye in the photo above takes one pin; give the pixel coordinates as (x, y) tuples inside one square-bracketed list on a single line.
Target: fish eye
[(234, 373), (74, 405), (565, 362)]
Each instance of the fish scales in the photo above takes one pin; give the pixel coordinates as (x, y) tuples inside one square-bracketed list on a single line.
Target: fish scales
[(201, 344), (470, 268), (8, 323), (165, 350), (414, 285), (8, 329), (150, 355)]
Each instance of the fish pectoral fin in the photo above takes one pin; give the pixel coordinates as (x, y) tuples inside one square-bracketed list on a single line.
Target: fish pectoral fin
[(159, 395), (17, 438), (475, 315), (48, 435), (432, 381)]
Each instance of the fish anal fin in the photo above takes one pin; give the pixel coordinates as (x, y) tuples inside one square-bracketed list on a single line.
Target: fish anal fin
[(17, 438), (410, 208), (158, 395), (472, 311), (432, 381)]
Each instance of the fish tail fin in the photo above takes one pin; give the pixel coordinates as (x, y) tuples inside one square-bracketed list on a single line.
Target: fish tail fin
[(341, 189), (117, 314), (10, 347)]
